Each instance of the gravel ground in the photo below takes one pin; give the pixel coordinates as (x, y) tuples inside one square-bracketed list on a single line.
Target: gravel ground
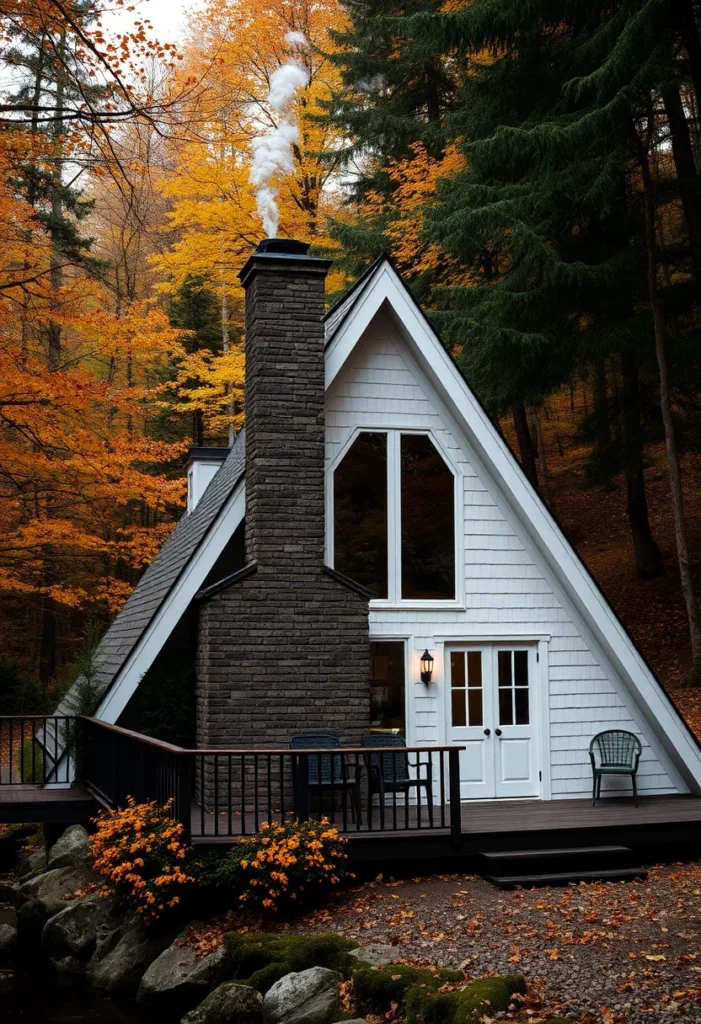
[(596, 952)]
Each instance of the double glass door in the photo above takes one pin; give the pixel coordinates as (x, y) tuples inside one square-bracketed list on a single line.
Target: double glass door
[(491, 712)]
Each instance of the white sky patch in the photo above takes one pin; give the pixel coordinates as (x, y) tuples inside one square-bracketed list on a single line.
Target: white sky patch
[(272, 152)]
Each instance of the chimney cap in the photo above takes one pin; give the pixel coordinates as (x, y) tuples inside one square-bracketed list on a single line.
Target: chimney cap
[(288, 246), (282, 254)]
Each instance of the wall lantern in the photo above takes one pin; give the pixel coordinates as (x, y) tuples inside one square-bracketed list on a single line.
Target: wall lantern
[(426, 667)]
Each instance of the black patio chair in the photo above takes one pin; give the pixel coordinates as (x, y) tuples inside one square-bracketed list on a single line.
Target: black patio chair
[(328, 773), (389, 773), (614, 752)]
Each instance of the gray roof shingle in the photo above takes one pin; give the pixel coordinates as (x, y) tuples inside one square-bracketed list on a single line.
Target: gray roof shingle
[(158, 580)]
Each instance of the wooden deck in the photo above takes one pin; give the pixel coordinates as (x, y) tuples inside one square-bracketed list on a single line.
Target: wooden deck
[(506, 825), (29, 803), (663, 824)]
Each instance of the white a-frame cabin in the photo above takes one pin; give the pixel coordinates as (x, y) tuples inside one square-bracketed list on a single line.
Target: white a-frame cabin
[(372, 503)]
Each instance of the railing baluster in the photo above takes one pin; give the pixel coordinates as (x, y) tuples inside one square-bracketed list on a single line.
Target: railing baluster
[(270, 788), (282, 789), (229, 805), (255, 791), (244, 829)]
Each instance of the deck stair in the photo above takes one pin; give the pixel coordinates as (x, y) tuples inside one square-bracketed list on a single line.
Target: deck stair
[(539, 867)]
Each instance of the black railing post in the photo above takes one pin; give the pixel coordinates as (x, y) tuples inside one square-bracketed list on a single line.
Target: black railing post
[(185, 795), (454, 790), (302, 788)]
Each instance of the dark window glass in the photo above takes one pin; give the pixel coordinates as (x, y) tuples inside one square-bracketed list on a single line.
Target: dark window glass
[(428, 521), (474, 700), (506, 714), (504, 668), (387, 687), (522, 717), (457, 668), (458, 708), (521, 668), (360, 513), (457, 684), (474, 665)]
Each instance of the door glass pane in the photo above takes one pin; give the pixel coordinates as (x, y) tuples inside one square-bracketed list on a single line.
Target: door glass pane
[(387, 687), (506, 714), (521, 668), (457, 689), (457, 668), (522, 717), (504, 668), (428, 521), (474, 668), (457, 698), (474, 702), (360, 513)]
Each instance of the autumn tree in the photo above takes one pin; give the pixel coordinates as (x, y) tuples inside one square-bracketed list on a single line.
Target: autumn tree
[(237, 49)]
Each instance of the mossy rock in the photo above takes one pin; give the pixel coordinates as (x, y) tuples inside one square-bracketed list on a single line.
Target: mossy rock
[(262, 959), (376, 988), (487, 996), (483, 997)]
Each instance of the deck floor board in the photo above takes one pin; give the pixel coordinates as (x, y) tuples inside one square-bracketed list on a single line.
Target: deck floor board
[(493, 817)]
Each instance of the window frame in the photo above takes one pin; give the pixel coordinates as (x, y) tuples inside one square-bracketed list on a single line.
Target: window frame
[(394, 526)]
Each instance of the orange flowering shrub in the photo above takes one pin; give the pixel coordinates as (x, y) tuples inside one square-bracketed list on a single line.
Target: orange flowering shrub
[(290, 864), (139, 852)]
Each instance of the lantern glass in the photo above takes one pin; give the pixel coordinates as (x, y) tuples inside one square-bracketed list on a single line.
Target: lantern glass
[(426, 667)]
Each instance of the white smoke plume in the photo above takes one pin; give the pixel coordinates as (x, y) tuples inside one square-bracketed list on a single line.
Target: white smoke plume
[(272, 152)]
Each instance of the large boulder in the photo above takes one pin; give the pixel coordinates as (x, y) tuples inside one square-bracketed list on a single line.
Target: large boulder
[(73, 848), (122, 956), (53, 890), (69, 966), (73, 931), (231, 1003), (179, 979), (375, 955), (31, 864), (30, 921), (8, 932), (309, 997), (9, 892)]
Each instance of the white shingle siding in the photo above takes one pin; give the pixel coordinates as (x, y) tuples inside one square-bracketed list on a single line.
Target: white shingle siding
[(506, 595)]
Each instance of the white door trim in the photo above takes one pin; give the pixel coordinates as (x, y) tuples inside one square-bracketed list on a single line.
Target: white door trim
[(539, 701)]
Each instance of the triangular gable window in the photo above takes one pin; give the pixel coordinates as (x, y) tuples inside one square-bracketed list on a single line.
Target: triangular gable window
[(394, 517)]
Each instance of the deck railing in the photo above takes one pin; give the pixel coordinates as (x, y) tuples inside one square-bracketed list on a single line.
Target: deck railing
[(36, 749), (219, 795)]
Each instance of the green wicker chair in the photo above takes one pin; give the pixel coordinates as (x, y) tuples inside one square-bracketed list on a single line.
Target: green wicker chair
[(614, 752)]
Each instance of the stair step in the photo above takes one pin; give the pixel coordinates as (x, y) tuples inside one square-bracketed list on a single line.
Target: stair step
[(567, 877), (573, 851)]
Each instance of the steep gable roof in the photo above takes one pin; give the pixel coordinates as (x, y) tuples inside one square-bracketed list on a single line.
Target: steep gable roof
[(157, 583), (179, 570), (384, 291)]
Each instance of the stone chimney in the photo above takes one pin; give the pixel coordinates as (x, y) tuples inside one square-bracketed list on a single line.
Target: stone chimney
[(283, 648), (284, 407)]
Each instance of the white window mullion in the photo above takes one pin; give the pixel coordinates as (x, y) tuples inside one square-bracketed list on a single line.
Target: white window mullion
[(394, 529)]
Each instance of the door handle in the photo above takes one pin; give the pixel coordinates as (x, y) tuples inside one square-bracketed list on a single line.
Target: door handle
[(498, 732), (487, 732)]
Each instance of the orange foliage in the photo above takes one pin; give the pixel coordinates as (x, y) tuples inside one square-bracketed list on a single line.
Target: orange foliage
[(139, 851)]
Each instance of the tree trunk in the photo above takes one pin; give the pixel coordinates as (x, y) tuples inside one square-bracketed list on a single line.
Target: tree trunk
[(687, 178), (648, 559), (692, 43), (602, 426), (47, 644), (673, 467), (537, 432), (225, 348), (525, 442)]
